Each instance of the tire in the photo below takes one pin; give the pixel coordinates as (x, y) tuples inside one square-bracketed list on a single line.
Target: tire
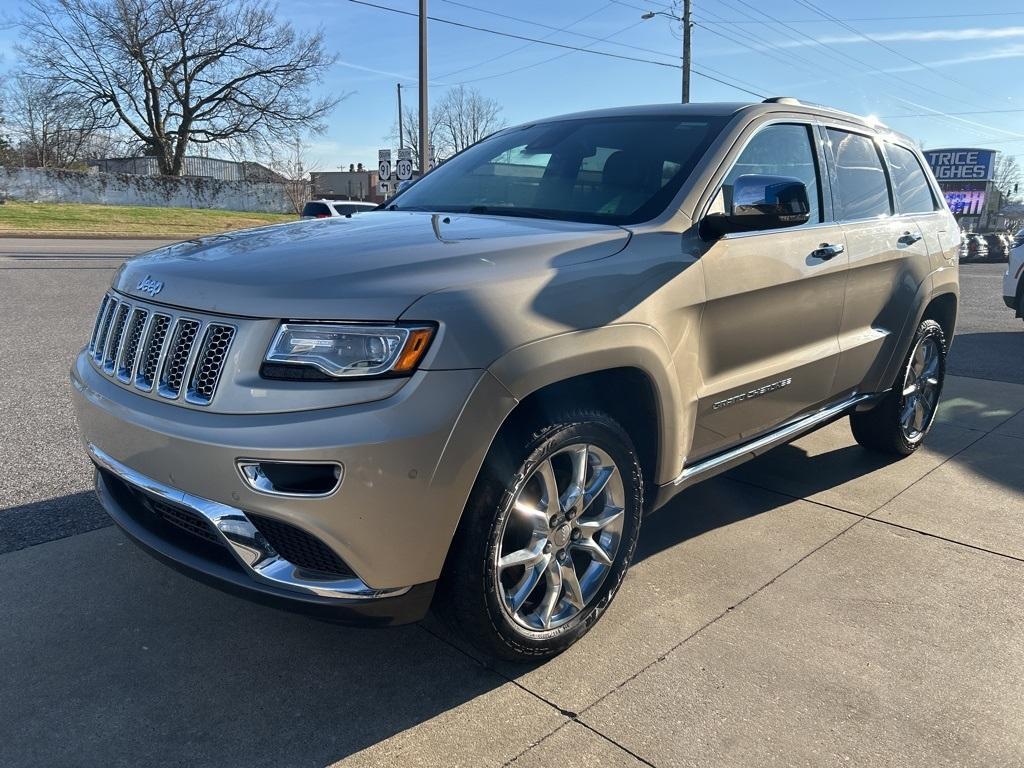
[(901, 421), (506, 538)]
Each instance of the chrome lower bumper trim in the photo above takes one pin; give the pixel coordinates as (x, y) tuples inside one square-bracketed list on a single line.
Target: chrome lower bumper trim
[(244, 541)]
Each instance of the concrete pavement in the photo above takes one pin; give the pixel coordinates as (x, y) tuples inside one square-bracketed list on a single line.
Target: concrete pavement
[(817, 606)]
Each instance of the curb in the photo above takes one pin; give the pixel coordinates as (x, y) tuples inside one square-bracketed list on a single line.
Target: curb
[(71, 235)]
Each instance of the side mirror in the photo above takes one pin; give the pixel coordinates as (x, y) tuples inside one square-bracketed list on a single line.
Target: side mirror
[(760, 202)]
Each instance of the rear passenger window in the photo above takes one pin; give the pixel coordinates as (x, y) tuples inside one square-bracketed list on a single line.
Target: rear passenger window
[(861, 190), (778, 150), (913, 193)]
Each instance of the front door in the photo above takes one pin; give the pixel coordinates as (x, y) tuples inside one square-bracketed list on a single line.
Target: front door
[(769, 333)]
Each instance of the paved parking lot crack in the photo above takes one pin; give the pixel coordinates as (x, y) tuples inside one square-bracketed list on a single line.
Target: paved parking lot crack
[(945, 538)]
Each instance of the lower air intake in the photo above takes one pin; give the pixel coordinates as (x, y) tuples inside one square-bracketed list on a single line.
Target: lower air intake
[(300, 548)]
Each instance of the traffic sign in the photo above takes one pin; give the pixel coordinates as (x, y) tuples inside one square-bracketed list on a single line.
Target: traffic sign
[(404, 165), (383, 166)]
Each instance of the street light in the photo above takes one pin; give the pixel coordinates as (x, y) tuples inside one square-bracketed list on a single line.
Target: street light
[(686, 24)]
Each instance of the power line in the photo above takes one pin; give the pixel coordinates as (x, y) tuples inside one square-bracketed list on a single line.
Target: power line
[(549, 59), (713, 32), (790, 59), (945, 76), (566, 28), (565, 46), (832, 52), (886, 18), (514, 36), (521, 47)]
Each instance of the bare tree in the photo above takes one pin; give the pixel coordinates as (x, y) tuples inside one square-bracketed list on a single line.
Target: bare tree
[(464, 116), (461, 118), (53, 127), (1007, 176), (176, 73), (295, 167), (411, 131)]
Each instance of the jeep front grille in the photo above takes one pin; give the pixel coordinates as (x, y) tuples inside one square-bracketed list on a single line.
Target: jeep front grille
[(159, 351)]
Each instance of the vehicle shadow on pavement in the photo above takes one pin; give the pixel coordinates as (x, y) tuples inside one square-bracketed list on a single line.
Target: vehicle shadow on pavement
[(108, 657), (997, 355), (36, 522)]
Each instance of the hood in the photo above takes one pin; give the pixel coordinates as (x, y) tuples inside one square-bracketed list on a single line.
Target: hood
[(369, 267)]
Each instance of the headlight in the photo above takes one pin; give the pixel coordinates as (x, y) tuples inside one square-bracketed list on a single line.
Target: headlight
[(343, 351)]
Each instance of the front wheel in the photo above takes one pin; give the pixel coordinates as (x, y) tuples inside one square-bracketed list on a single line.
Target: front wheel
[(546, 537), (899, 423)]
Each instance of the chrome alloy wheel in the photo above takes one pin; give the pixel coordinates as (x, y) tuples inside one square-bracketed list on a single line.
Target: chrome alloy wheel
[(921, 385), (560, 537)]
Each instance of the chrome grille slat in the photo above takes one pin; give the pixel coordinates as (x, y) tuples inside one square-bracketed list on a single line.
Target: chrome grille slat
[(210, 363), (180, 355), (115, 335), (156, 348), (98, 323), (140, 352), (101, 340), (130, 344), (160, 352)]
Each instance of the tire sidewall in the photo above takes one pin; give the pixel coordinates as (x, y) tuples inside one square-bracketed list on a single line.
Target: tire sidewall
[(927, 329), (608, 436)]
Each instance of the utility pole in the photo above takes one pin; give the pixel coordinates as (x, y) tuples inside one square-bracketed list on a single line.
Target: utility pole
[(424, 106), (687, 24), (401, 130)]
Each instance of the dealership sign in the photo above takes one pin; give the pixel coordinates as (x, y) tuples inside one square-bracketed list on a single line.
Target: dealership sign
[(962, 164)]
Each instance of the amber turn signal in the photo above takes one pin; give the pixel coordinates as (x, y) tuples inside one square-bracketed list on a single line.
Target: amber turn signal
[(415, 348)]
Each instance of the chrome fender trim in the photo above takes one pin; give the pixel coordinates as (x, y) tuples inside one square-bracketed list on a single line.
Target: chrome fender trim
[(244, 541)]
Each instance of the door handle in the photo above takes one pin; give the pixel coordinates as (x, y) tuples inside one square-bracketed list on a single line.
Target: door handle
[(908, 238), (828, 251)]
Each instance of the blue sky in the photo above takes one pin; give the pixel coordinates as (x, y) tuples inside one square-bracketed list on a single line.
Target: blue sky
[(932, 59)]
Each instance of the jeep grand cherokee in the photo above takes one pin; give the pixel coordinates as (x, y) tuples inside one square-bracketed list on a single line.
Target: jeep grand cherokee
[(470, 399)]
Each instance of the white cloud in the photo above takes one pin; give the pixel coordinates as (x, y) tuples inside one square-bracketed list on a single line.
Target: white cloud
[(915, 36), (1006, 52)]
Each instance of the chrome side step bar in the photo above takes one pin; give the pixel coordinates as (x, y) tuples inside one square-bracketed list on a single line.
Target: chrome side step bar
[(735, 456)]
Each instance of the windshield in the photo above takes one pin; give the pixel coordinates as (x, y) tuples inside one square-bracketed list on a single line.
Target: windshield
[(614, 170)]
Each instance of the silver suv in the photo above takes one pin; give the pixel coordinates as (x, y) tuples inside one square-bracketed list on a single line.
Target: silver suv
[(470, 399)]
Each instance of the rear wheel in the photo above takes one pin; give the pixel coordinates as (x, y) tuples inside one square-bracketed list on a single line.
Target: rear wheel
[(546, 538), (899, 423)]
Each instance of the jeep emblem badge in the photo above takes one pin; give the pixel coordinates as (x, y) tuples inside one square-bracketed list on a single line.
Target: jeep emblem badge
[(150, 286)]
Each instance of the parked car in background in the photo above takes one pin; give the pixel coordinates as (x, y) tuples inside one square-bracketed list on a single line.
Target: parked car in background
[(1013, 278), (348, 207), (998, 246), (973, 247), (326, 209), (480, 389), (1018, 238)]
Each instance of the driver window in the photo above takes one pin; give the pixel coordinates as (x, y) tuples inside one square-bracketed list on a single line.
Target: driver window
[(777, 150)]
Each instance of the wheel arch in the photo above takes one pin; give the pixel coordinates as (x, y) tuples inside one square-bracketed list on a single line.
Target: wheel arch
[(942, 308), (624, 370)]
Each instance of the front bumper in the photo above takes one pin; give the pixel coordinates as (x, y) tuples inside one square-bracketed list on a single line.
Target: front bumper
[(409, 464), (239, 560), (1012, 281)]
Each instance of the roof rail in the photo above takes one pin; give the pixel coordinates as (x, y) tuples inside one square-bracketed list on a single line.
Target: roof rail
[(874, 122)]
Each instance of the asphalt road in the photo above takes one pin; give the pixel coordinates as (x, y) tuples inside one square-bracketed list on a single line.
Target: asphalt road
[(819, 605), (989, 338)]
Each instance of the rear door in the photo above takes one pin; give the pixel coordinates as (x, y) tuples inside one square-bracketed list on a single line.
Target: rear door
[(769, 332), (887, 251)]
